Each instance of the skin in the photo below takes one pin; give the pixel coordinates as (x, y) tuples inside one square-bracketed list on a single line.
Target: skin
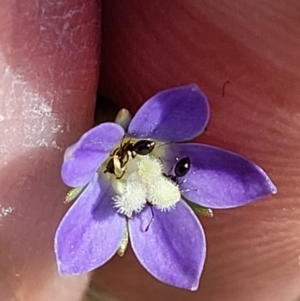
[(253, 251), (49, 62)]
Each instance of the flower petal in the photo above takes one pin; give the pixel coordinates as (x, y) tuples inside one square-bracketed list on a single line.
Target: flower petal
[(84, 157), (90, 233), (219, 178), (173, 249), (177, 114)]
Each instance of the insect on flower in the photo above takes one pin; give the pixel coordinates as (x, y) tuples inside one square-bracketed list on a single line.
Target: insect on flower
[(123, 181), (121, 155), (181, 168)]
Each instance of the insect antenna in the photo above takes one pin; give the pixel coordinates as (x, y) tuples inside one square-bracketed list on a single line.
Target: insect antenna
[(166, 143)]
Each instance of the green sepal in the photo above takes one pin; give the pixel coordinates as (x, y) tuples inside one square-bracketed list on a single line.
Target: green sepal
[(123, 118), (73, 194), (198, 209), (124, 242)]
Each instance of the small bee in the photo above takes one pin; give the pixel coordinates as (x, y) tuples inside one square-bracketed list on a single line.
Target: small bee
[(121, 155)]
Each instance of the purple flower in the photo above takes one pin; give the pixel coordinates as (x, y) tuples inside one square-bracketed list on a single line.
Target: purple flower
[(146, 194)]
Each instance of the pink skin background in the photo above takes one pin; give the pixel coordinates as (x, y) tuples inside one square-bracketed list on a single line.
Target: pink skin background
[(49, 66)]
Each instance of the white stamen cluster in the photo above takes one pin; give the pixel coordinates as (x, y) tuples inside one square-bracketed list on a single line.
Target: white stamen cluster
[(130, 202), (146, 183), (163, 194)]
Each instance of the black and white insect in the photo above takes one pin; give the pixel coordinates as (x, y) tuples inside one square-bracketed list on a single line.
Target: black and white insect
[(122, 154)]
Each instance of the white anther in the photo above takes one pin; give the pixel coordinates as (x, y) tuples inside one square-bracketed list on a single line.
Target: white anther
[(163, 193), (144, 182), (150, 168), (133, 197)]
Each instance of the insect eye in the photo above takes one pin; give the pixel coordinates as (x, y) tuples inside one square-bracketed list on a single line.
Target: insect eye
[(144, 147), (182, 167)]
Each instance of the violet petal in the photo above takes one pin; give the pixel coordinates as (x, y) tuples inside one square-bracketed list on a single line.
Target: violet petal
[(82, 159), (177, 114), (90, 233), (219, 178), (173, 249)]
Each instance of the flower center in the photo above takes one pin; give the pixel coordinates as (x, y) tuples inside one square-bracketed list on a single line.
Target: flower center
[(142, 182)]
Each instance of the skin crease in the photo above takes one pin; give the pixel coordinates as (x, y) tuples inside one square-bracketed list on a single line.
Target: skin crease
[(49, 64), (253, 251)]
